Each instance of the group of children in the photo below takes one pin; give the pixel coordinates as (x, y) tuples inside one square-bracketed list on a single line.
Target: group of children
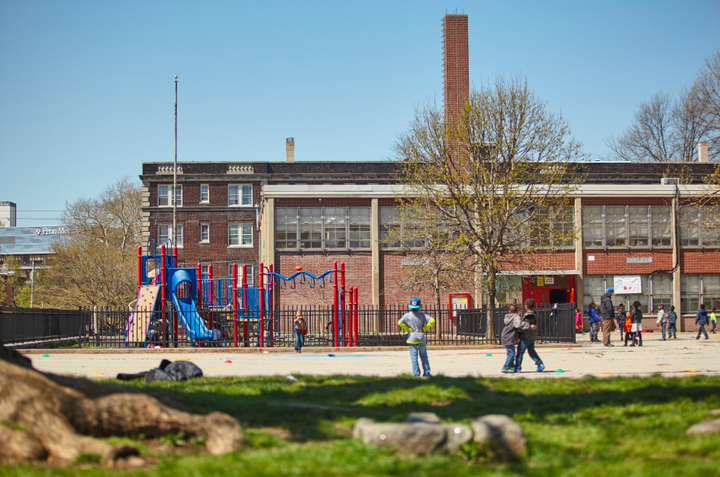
[(520, 330)]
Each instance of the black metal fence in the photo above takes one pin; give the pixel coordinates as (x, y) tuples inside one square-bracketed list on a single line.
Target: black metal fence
[(365, 326)]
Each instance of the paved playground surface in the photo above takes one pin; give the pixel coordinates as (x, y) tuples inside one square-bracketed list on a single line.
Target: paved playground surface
[(673, 358)]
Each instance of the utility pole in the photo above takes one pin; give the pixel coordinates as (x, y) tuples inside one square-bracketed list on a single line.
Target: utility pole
[(32, 283), (174, 191)]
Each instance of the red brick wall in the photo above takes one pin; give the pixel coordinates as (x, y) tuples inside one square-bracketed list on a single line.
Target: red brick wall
[(700, 261), (614, 261), (358, 274)]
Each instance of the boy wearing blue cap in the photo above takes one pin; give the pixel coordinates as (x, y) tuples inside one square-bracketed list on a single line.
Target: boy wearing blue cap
[(417, 324)]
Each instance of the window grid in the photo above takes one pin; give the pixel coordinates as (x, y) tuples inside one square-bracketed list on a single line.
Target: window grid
[(205, 233), (239, 235), (240, 195), (204, 192), (322, 228), (630, 226), (164, 234)]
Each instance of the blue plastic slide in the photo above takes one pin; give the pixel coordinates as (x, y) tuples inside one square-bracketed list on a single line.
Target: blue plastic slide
[(191, 320)]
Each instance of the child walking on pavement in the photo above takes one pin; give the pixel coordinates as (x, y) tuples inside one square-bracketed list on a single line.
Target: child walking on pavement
[(672, 323), (513, 323), (701, 319), (417, 324), (526, 338)]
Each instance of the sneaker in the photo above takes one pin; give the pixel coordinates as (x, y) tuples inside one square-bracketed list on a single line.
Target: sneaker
[(540, 368), (609, 345), (427, 375), (296, 352), (518, 370), (508, 370)]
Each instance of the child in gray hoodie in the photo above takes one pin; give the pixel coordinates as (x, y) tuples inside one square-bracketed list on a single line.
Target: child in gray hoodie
[(513, 322)]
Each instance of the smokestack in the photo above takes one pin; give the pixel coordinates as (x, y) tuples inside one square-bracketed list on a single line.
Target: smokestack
[(703, 151), (456, 71), (290, 149)]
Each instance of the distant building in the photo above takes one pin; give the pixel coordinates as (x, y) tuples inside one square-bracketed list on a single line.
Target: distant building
[(29, 245), (8, 214)]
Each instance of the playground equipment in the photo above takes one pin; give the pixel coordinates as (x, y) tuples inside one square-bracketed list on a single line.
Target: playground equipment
[(249, 305)]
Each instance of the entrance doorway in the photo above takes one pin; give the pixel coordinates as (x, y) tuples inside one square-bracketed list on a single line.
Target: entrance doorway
[(558, 296)]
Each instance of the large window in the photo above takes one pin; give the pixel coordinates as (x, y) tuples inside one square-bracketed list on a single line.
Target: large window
[(631, 226), (696, 289), (656, 291), (240, 195), (164, 234), (322, 228), (360, 227), (239, 235), (699, 226), (335, 227), (395, 229), (286, 228), (310, 228), (164, 195)]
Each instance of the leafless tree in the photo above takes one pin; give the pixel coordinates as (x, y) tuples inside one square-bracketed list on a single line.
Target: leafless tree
[(667, 129), (499, 180)]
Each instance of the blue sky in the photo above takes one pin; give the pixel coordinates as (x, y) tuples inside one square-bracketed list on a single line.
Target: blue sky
[(87, 94)]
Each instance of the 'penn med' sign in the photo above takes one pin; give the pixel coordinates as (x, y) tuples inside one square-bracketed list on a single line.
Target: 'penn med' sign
[(47, 231)]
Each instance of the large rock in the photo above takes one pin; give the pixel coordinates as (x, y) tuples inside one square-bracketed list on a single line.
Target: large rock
[(422, 417), (456, 435), (502, 434), (360, 426), (705, 427), (414, 439)]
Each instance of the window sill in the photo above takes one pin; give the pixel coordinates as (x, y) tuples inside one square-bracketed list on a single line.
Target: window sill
[(240, 246), (241, 206), (205, 202), (169, 206), (204, 242)]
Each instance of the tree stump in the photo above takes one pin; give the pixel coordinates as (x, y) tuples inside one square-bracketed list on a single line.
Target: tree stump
[(57, 418)]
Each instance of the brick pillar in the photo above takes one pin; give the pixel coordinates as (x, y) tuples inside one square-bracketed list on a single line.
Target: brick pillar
[(456, 70)]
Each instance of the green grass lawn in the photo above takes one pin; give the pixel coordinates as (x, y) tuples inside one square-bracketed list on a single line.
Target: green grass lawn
[(619, 426)]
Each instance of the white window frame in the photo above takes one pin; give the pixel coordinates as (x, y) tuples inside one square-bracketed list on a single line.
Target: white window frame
[(178, 234), (205, 190), (241, 195), (244, 232), (207, 228), (166, 195)]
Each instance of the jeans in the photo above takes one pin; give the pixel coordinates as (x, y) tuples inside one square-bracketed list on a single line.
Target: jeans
[(299, 340), (702, 330), (672, 330), (510, 361), (621, 327), (529, 345), (714, 323), (421, 349), (594, 331), (663, 327)]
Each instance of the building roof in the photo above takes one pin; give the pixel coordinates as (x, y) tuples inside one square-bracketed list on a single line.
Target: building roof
[(28, 240)]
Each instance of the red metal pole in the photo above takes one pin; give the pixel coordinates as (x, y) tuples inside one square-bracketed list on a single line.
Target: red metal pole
[(139, 270), (270, 306), (210, 297), (235, 305), (335, 301), (356, 316), (261, 291), (198, 274), (244, 304), (343, 312), (351, 296), (175, 262)]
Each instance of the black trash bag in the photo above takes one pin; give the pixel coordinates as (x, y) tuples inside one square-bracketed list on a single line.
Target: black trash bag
[(182, 370)]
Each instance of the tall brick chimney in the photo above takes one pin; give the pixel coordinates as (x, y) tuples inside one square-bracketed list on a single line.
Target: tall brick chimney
[(290, 149), (702, 151), (456, 71)]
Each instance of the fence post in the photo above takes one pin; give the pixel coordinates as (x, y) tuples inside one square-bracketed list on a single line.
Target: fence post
[(235, 305), (355, 316), (343, 311), (260, 306), (335, 303)]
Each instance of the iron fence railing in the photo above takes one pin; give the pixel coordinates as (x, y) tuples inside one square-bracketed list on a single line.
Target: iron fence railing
[(222, 327)]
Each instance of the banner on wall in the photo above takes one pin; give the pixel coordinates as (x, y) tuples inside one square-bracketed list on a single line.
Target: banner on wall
[(628, 285)]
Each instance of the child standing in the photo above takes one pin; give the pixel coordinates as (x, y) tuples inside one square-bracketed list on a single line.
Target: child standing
[(672, 323), (620, 317), (594, 320), (417, 324), (526, 338), (513, 323), (628, 329), (578, 321), (713, 321), (637, 317)]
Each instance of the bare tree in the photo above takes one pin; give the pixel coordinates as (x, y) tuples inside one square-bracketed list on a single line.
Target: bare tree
[(499, 179), (95, 264), (669, 130), (437, 262)]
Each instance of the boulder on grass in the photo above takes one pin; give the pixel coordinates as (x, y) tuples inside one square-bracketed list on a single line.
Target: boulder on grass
[(705, 427), (413, 439), (503, 435)]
